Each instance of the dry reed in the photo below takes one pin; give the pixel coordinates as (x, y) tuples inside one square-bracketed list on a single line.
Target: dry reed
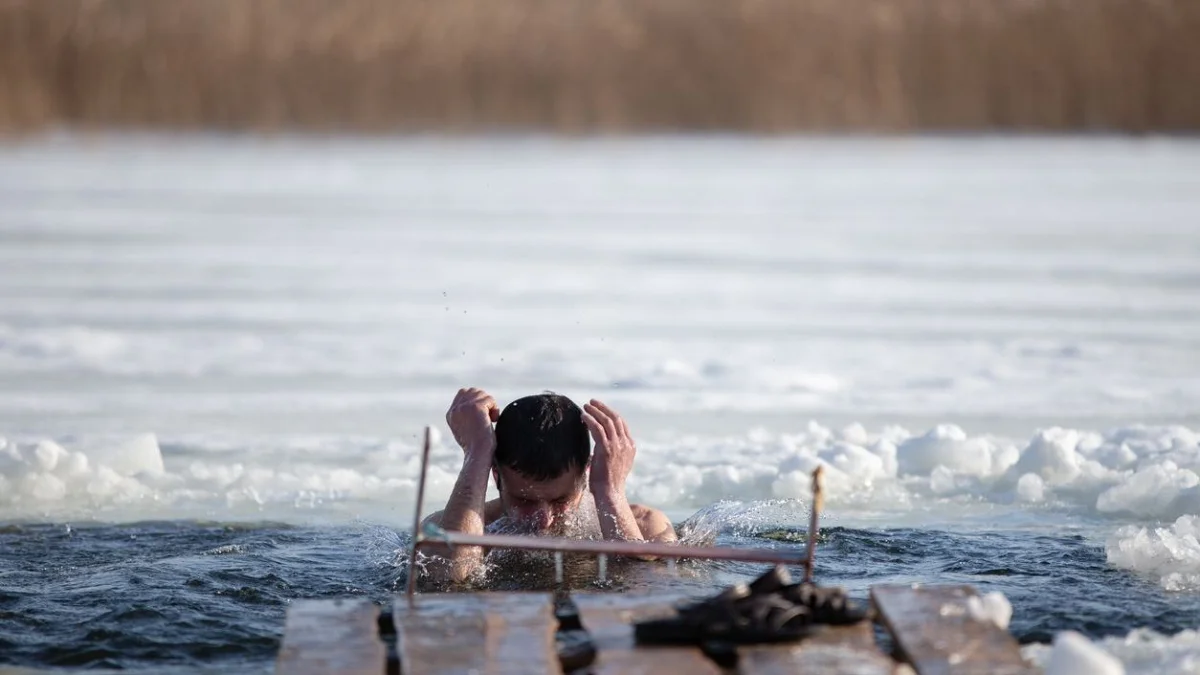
[(601, 65)]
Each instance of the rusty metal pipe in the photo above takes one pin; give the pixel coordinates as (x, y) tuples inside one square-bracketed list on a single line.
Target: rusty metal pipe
[(411, 584), (607, 547), (818, 498), (625, 548)]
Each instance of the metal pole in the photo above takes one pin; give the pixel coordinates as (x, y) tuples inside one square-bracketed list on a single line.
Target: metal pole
[(817, 504), (411, 585), (626, 548), (608, 547)]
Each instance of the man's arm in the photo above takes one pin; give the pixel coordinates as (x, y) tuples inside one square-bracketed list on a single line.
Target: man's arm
[(470, 418), (611, 465), (491, 511)]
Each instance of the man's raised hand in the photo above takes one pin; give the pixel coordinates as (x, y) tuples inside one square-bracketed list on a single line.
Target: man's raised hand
[(470, 418), (615, 449)]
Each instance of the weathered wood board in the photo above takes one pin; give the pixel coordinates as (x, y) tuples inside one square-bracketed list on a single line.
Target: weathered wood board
[(833, 650), (935, 633), (331, 637), (483, 633), (609, 618)]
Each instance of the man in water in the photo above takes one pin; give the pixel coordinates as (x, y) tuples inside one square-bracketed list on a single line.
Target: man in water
[(549, 481)]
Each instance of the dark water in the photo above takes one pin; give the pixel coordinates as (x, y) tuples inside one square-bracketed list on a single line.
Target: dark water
[(159, 595)]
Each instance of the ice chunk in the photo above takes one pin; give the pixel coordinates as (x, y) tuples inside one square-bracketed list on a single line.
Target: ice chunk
[(128, 457), (1051, 456), (993, 607), (946, 445), (1149, 492), (1171, 555), (1031, 488), (43, 487), (1074, 654), (48, 454)]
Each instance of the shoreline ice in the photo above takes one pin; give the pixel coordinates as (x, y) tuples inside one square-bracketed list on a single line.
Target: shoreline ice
[(1141, 481)]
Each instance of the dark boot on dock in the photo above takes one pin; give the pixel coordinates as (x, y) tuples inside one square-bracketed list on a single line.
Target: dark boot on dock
[(770, 609)]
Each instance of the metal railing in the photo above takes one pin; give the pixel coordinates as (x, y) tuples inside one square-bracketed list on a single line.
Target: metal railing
[(433, 535)]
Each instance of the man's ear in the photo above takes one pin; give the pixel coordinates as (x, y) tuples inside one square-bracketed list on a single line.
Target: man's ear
[(496, 476)]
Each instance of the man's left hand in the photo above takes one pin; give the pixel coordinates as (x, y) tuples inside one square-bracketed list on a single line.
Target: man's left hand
[(615, 450)]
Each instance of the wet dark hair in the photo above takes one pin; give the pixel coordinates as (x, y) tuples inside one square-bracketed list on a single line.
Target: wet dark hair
[(542, 437)]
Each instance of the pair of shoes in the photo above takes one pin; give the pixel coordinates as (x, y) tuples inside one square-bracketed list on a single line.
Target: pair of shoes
[(826, 604), (769, 609)]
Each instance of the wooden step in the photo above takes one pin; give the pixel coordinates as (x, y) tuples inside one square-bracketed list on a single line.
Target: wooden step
[(832, 651), (485, 633), (503, 633), (609, 618), (935, 633), (331, 637)]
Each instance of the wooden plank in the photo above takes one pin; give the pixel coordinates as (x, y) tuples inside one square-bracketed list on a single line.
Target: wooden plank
[(334, 637), (935, 633), (609, 618), (833, 650), (483, 633)]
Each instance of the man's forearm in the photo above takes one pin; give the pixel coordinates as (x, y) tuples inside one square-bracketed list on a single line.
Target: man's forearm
[(464, 513), (616, 518)]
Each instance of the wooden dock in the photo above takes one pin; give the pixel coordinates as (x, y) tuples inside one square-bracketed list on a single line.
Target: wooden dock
[(511, 633)]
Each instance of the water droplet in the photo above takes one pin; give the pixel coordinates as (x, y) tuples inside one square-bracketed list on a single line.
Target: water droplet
[(602, 567), (558, 567), (671, 565)]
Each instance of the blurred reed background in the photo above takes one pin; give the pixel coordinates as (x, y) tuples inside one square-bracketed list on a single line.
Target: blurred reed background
[(582, 66)]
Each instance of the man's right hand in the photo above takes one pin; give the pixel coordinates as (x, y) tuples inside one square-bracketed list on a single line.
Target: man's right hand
[(470, 417)]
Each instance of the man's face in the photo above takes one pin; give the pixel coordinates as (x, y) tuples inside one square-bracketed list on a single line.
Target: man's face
[(542, 507)]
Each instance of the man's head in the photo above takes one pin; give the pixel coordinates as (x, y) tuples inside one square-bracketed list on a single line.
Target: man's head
[(542, 451)]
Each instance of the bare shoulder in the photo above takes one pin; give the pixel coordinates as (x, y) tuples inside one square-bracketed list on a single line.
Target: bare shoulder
[(492, 511), (654, 524)]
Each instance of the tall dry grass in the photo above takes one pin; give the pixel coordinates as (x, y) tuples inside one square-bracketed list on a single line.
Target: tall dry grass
[(602, 65)]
